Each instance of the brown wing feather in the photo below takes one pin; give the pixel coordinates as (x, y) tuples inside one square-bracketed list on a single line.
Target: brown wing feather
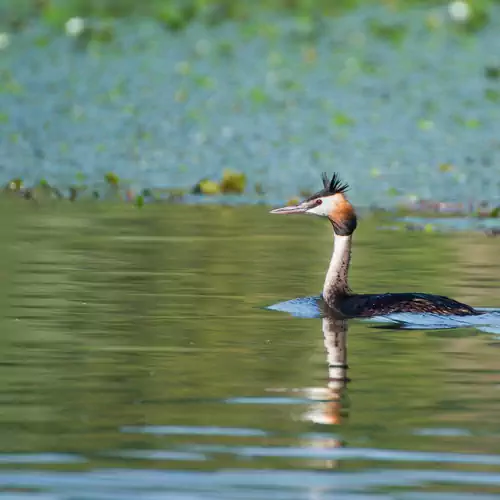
[(375, 305)]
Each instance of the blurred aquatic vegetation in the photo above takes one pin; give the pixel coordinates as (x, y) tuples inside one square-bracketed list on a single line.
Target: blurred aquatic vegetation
[(87, 31), (139, 201), (481, 208), (176, 15), (416, 215), (233, 182), (259, 188), (342, 120), (13, 186), (492, 72), (73, 193), (9, 85), (40, 192), (492, 95), (467, 122), (392, 191), (46, 191), (207, 187), (112, 179), (298, 108), (394, 33), (470, 16), (445, 167)]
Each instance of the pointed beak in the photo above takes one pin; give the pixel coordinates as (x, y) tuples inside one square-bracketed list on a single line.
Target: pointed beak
[(292, 209)]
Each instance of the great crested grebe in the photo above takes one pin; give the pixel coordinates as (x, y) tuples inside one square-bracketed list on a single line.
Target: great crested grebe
[(331, 202)]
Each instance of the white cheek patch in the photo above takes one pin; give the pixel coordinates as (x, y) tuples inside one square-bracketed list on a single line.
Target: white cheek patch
[(324, 209)]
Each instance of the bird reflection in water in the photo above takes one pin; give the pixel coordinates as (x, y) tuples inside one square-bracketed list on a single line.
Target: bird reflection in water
[(329, 408), (330, 405)]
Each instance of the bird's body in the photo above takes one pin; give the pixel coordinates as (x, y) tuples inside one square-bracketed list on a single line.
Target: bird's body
[(332, 203), (366, 305)]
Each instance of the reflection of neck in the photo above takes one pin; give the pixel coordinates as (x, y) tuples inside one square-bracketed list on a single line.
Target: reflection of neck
[(330, 401), (335, 338), (336, 284)]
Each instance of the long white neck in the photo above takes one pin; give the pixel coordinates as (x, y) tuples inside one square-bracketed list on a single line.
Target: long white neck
[(336, 284)]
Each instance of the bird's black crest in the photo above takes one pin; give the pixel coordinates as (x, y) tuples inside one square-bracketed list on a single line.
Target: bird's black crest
[(333, 186)]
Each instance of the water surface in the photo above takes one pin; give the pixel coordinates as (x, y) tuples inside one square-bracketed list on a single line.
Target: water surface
[(138, 361)]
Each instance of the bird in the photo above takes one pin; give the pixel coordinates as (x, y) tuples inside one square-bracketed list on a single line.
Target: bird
[(331, 202)]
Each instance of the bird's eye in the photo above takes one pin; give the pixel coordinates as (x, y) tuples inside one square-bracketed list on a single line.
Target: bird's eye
[(319, 201)]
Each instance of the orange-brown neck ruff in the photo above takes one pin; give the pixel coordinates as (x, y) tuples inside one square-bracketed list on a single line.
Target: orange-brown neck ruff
[(343, 217)]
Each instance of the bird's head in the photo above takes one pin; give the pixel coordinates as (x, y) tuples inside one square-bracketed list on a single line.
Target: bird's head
[(330, 202)]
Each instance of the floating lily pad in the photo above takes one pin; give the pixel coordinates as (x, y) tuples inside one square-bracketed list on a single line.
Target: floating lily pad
[(207, 187), (233, 182), (112, 179), (445, 167), (492, 72)]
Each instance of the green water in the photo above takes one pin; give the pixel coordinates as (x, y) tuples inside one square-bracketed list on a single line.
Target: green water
[(137, 362)]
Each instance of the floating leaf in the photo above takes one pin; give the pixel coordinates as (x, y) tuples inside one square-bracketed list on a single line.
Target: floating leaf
[(492, 72), (424, 124), (233, 182), (80, 177), (112, 179), (492, 95), (445, 167), (206, 186), (472, 123), (289, 84), (258, 96), (205, 81), (342, 120)]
